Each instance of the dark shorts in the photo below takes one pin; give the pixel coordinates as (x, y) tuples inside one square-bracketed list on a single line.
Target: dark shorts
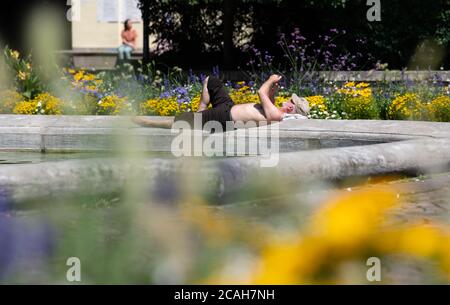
[(221, 106)]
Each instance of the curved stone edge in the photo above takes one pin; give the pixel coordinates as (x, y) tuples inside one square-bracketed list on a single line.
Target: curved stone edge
[(105, 175), (107, 133)]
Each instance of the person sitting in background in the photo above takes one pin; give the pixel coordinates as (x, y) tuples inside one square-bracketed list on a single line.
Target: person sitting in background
[(129, 36)]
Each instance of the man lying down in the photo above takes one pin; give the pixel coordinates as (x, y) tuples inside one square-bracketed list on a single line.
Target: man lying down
[(224, 110)]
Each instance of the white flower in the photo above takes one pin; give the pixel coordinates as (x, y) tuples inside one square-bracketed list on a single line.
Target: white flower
[(39, 104), (42, 111)]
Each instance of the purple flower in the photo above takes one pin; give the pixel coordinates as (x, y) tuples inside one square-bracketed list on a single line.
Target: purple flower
[(6, 201), (166, 190), (216, 71), (181, 90), (24, 243), (165, 95)]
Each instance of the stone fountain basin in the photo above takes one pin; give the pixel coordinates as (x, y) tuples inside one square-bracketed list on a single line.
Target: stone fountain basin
[(318, 149)]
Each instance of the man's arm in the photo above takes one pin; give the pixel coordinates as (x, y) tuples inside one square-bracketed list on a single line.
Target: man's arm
[(133, 41), (124, 38), (267, 96)]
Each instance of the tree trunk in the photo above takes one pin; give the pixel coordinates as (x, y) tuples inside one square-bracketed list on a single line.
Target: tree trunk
[(228, 27), (146, 21)]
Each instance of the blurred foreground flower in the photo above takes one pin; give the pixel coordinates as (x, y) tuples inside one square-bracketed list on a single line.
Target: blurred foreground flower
[(26, 246), (351, 228)]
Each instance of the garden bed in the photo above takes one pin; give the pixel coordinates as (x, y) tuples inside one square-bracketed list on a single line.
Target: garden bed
[(148, 91)]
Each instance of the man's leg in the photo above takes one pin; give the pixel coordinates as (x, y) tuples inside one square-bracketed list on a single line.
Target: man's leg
[(155, 123), (128, 51), (217, 92), (121, 52), (205, 97)]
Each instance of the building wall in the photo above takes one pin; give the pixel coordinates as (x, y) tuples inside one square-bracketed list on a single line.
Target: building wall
[(88, 32)]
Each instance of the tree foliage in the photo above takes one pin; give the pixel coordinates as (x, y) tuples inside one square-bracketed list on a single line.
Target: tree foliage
[(193, 30)]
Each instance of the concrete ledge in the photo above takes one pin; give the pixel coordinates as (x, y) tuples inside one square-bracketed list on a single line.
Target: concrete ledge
[(107, 133), (394, 75), (95, 58), (310, 149), (222, 177)]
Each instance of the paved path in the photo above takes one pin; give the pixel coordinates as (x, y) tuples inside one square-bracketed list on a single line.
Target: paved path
[(425, 199)]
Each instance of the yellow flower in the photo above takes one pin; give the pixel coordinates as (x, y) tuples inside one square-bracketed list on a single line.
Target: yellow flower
[(406, 107), (290, 262), (113, 105), (362, 85), (78, 76), (439, 109), (161, 107), (349, 220), (420, 241), (43, 103), (357, 101), (91, 88), (349, 228), (26, 107), (195, 103), (89, 77), (244, 96), (317, 103), (356, 90), (244, 88), (15, 54), (340, 230), (23, 75)]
